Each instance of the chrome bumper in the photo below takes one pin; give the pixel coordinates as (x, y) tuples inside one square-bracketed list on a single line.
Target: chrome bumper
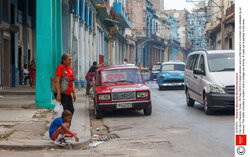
[(172, 84)]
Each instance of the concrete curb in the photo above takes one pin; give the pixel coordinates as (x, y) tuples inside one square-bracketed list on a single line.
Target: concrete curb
[(44, 146), (16, 93), (81, 119), (24, 106)]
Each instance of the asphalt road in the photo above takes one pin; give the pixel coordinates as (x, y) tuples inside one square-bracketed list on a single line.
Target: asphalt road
[(173, 130)]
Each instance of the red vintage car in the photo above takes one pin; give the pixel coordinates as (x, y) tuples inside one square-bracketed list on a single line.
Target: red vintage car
[(120, 87)]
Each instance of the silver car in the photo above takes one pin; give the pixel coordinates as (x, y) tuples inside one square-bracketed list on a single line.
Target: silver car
[(209, 79)]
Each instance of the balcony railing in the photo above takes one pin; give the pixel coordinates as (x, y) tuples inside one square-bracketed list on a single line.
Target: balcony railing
[(119, 10), (230, 10)]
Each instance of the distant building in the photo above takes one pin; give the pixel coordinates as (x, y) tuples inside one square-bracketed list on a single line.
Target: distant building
[(158, 4), (150, 46), (197, 20), (213, 27), (174, 44), (181, 16)]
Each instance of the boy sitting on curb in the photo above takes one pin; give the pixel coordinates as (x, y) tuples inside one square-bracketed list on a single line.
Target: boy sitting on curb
[(59, 127)]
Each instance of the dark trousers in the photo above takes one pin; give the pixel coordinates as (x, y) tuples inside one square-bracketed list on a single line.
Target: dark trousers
[(67, 102)]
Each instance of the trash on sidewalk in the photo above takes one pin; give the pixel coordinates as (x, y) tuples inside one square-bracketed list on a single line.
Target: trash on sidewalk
[(95, 137), (98, 129), (1, 96), (94, 144)]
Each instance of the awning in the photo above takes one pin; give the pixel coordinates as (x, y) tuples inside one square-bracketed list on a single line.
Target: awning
[(110, 22)]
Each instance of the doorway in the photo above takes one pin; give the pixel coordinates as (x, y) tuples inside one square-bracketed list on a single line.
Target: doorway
[(20, 65), (6, 66)]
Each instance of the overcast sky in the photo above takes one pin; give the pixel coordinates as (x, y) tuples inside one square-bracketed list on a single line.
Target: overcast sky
[(178, 4)]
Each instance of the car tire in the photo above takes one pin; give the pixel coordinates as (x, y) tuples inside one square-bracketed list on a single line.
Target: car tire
[(98, 113), (207, 109), (160, 88), (148, 111), (189, 100)]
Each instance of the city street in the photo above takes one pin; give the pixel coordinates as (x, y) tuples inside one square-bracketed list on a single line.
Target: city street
[(173, 129)]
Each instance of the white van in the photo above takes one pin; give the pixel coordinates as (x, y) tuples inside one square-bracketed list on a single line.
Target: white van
[(209, 79)]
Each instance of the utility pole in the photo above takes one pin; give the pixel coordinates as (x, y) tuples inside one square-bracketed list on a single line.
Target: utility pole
[(222, 25)]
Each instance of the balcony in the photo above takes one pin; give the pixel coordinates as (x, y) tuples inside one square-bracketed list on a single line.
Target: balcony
[(230, 10), (122, 17)]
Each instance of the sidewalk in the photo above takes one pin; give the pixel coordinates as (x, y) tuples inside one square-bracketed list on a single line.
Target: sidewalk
[(24, 127)]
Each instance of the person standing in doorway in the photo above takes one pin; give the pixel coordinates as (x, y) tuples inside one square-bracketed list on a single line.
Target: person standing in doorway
[(32, 74), (26, 74), (65, 70)]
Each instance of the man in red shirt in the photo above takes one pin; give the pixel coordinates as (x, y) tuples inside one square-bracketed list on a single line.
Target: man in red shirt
[(65, 98)]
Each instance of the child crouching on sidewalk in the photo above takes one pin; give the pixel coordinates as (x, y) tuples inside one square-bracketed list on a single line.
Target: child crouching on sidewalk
[(59, 127)]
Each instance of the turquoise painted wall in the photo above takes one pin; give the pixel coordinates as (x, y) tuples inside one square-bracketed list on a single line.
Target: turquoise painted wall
[(48, 48)]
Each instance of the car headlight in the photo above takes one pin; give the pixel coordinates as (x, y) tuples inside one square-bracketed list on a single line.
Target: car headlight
[(142, 94), (104, 97), (216, 89)]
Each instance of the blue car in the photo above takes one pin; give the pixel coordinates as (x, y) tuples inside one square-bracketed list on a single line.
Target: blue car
[(171, 74)]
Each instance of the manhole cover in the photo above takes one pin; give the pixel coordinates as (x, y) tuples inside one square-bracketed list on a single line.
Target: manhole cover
[(107, 137)]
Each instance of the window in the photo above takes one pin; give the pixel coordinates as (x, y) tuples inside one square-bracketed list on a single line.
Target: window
[(173, 67), (196, 59), (176, 15), (121, 75), (90, 19), (86, 14), (202, 63), (75, 7), (192, 61), (230, 43), (5, 10), (81, 10), (221, 62)]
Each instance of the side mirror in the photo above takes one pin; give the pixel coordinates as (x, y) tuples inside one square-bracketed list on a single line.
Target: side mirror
[(199, 72)]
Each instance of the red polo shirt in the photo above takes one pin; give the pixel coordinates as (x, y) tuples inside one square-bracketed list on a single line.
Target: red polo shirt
[(68, 73)]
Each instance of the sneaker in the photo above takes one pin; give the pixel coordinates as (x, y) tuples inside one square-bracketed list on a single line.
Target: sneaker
[(64, 141), (60, 142)]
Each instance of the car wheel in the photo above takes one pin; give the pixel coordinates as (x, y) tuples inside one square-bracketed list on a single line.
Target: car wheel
[(207, 109), (148, 111), (160, 88), (98, 113), (189, 100)]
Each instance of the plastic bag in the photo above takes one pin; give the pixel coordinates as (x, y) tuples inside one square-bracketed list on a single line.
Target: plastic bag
[(58, 109)]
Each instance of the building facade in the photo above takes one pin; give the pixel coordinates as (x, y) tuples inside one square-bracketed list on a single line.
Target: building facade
[(150, 47), (197, 20), (17, 39), (181, 16), (174, 52), (213, 27)]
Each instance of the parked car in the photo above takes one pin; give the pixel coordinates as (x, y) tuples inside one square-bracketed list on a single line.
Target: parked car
[(171, 74), (145, 73), (120, 87), (209, 79), (155, 71)]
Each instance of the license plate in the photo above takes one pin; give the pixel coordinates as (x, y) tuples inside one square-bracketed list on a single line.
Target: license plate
[(124, 106)]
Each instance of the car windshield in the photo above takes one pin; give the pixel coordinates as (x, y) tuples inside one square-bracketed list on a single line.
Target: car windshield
[(221, 62), (156, 67), (173, 67), (121, 75)]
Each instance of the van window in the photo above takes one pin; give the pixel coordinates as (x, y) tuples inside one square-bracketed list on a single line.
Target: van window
[(191, 61), (221, 62), (202, 63), (196, 59)]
